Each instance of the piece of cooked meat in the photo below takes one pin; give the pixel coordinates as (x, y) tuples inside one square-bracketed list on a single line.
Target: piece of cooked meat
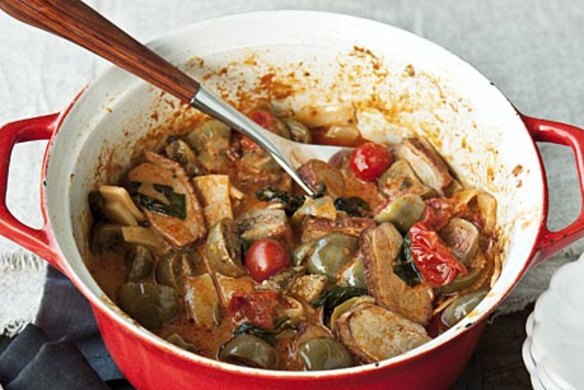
[(308, 287), (214, 194), (427, 163), (160, 170), (317, 172), (373, 333), (315, 228), (380, 247), (263, 223)]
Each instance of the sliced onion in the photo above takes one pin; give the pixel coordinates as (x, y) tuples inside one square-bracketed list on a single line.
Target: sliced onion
[(340, 114)]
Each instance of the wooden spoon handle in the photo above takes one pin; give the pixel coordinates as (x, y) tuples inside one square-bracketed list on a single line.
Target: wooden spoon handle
[(77, 22)]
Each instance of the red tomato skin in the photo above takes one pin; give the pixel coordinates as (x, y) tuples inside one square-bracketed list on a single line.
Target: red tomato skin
[(434, 260), (266, 257), (368, 161)]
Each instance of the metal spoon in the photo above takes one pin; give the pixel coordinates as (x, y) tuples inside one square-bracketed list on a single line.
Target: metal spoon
[(77, 22)]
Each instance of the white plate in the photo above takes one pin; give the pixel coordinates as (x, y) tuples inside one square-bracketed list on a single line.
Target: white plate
[(554, 349)]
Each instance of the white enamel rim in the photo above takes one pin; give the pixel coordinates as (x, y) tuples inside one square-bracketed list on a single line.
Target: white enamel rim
[(59, 211)]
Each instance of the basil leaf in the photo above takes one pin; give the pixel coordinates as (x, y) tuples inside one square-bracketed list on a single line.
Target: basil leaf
[(177, 202), (404, 265), (247, 328), (334, 297), (354, 206), (290, 203)]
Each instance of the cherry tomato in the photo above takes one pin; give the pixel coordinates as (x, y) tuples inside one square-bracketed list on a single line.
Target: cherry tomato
[(437, 213), (258, 308), (370, 160), (434, 260), (265, 257)]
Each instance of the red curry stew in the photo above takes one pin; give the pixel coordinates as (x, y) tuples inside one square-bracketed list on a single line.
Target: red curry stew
[(208, 244)]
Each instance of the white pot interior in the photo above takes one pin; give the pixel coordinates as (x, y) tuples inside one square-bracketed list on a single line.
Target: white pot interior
[(348, 59)]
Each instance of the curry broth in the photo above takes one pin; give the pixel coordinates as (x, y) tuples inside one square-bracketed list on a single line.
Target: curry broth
[(111, 269)]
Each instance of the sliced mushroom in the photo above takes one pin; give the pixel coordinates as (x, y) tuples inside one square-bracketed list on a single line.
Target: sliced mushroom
[(263, 223), (169, 174), (315, 228), (400, 179), (202, 300), (250, 351), (308, 287), (174, 267), (298, 132), (179, 151), (353, 272), (317, 173), (153, 306), (142, 264), (330, 253), (373, 333), (402, 212), (323, 207), (224, 249), (215, 196), (139, 235), (380, 247), (427, 163), (211, 141), (463, 238), (324, 353), (118, 207)]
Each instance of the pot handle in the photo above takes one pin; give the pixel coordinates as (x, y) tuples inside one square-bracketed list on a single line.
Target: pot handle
[(39, 241), (542, 130)]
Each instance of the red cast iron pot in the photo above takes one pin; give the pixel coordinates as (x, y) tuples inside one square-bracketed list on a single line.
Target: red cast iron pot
[(437, 95)]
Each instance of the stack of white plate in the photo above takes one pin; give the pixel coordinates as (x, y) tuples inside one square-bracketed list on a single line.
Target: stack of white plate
[(554, 349)]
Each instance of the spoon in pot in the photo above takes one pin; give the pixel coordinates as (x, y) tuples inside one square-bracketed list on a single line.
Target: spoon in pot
[(80, 24)]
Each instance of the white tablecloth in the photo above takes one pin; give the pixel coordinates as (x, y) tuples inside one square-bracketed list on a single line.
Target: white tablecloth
[(530, 49)]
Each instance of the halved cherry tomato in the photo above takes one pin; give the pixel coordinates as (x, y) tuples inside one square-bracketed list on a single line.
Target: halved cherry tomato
[(257, 308), (370, 160), (435, 261), (265, 257), (437, 213)]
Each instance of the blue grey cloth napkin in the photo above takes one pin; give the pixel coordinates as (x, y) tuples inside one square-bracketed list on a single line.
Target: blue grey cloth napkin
[(64, 349)]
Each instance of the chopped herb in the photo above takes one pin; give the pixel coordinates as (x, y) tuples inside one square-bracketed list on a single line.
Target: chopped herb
[(354, 206), (177, 202), (247, 328), (291, 203), (405, 267), (332, 298)]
